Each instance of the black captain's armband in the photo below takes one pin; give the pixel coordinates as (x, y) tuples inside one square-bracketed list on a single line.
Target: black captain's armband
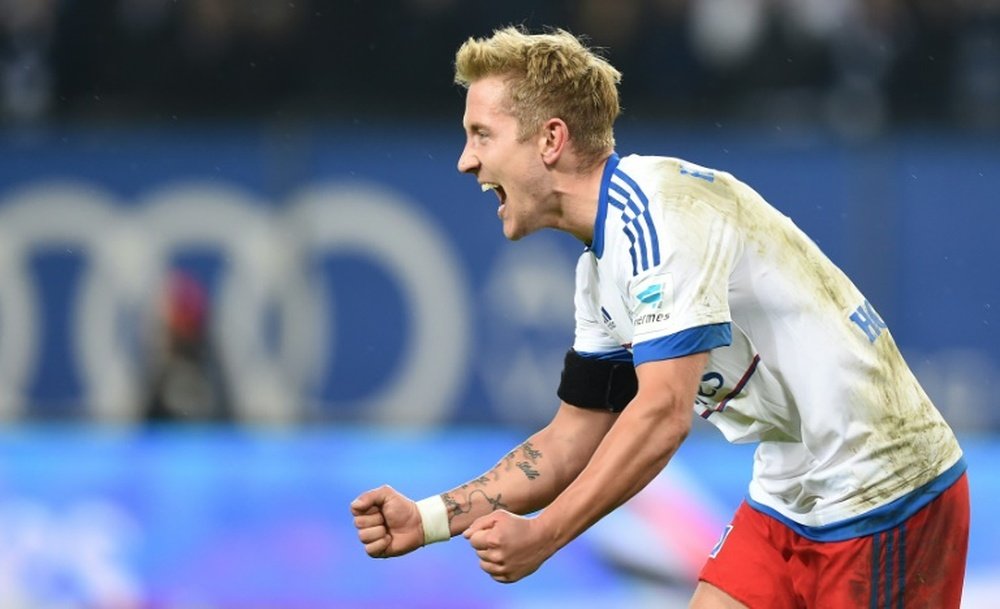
[(597, 383)]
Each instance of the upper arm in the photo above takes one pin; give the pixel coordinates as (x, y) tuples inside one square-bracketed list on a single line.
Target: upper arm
[(575, 433), (671, 385)]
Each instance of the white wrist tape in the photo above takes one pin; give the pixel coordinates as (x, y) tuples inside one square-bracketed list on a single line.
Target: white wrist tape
[(434, 516)]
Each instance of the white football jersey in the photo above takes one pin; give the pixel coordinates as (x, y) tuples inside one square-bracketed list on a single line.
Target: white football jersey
[(687, 259)]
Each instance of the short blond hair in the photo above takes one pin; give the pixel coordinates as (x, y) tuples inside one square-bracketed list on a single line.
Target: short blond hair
[(549, 75)]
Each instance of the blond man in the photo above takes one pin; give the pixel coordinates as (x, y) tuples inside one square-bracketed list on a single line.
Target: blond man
[(692, 290)]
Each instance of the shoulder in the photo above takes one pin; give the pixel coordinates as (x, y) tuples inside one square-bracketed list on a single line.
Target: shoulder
[(659, 167), (664, 177)]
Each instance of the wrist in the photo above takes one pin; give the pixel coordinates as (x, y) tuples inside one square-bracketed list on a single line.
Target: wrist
[(551, 528), (434, 519)]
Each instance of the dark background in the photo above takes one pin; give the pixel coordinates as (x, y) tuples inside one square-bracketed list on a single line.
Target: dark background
[(860, 67)]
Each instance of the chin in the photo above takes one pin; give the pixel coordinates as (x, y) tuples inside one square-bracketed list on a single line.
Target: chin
[(515, 234), (512, 231)]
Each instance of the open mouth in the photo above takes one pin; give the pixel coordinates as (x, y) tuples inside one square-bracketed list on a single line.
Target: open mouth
[(501, 195), (495, 188)]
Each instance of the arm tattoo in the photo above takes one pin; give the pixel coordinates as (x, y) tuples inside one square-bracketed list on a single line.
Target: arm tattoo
[(525, 458), (495, 503), (506, 461), (525, 467), (531, 453), (480, 481), (455, 508), (511, 461), (532, 456)]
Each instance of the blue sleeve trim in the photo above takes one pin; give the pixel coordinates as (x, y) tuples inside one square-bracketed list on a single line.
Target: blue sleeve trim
[(880, 519), (685, 342), (618, 355)]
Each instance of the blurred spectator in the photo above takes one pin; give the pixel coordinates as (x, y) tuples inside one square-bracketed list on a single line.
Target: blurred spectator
[(861, 66), (186, 381), (26, 81), (977, 70)]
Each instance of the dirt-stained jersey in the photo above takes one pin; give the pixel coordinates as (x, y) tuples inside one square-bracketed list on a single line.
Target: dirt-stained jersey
[(687, 259)]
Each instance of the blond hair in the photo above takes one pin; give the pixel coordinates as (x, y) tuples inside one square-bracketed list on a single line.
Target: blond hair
[(549, 75)]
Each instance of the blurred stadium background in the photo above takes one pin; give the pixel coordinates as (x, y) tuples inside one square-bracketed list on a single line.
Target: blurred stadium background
[(241, 280)]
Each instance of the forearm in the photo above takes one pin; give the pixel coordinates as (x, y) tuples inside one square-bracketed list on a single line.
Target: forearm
[(525, 480), (529, 477), (633, 452)]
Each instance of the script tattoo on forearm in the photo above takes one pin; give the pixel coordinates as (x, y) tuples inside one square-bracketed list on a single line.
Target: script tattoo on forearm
[(480, 481), (532, 457), (525, 467), (524, 458)]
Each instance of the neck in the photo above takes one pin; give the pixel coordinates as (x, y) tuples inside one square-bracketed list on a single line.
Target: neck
[(578, 193)]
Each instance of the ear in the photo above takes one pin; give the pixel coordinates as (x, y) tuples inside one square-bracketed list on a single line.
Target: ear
[(553, 140)]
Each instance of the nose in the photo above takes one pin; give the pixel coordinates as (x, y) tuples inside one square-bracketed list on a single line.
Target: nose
[(467, 161)]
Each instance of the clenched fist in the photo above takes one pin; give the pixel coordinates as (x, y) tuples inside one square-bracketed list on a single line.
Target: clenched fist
[(509, 547), (388, 523)]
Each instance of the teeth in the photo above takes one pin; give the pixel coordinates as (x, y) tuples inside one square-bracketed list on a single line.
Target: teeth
[(489, 186)]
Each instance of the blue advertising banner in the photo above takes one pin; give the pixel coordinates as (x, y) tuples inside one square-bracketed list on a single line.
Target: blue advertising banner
[(350, 273), (230, 518)]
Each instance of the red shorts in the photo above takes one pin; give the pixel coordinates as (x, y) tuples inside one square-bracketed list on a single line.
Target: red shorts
[(762, 563)]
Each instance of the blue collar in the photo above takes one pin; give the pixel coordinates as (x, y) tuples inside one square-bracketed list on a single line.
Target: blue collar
[(597, 245)]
